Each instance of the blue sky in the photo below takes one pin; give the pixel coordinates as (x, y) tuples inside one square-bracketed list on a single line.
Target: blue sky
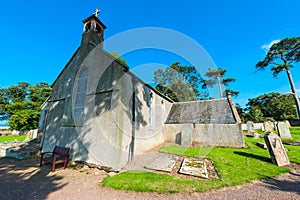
[(39, 37)]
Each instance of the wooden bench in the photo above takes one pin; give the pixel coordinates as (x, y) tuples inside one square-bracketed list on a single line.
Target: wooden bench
[(59, 155)]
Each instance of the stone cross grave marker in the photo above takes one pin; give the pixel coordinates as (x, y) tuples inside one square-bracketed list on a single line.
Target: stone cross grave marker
[(283, 130), (269, 126), (276, 149)]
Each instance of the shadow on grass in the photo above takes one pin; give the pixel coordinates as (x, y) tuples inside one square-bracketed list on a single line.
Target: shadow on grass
[(283, 185), (250, 155), (24, 179)]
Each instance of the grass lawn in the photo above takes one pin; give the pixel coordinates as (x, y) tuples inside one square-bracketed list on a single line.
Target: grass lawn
[(235, 166), (12, 138)]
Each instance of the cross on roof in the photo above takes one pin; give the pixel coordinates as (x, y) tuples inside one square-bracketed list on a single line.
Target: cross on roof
[(97, 12)]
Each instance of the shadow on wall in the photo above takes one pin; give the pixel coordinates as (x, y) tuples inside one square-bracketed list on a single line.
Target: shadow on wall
[(23, 179), (111, 92), (115, 87), (68, 137)]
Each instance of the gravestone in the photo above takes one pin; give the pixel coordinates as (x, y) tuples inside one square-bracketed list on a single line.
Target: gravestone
[(35, 134), (269, 126), (250, 127), (288, 123), (283, 130), (163, 163), (194, 167), (186, 136), (276, 149), (28, 135)]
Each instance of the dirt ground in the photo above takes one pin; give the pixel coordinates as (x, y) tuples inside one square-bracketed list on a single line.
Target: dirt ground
[(24, 179)]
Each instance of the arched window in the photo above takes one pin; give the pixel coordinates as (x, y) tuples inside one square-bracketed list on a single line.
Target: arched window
[(80, 93)]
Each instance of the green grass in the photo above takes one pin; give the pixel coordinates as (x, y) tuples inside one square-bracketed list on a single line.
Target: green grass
[(12, 138), (235, 166)]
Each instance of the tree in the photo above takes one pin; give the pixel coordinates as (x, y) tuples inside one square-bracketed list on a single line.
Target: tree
[(271, 106), (240, 111), (180, 83), (281, 57), (216, 76), (20, 104)]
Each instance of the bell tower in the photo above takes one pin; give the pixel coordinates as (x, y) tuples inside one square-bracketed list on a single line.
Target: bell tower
[(93, 28)]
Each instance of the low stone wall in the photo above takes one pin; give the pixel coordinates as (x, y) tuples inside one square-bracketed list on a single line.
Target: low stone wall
[(229, 135), (257, 126)]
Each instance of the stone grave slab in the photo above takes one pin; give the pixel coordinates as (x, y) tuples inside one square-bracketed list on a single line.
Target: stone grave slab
[(194, 167), (276, 149), (186, 136), (283, 130), (269, 126), (163, 163), (257, 136)]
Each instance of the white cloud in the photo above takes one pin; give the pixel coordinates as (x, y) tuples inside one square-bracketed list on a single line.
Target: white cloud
[(266, 47)]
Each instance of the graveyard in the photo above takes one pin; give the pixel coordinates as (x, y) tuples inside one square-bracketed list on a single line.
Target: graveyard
[(234, 166), (159, 173), (150, 100)]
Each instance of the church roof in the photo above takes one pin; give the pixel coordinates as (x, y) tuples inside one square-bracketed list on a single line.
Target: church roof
[(95, 18), (201, 112)]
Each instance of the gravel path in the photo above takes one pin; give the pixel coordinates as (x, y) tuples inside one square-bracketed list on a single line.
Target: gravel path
[(26, 180)]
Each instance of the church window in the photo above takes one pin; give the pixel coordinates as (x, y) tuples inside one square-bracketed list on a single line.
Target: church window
[(80, 93)]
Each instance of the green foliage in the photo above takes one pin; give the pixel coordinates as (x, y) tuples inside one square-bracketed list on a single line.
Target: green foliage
[(216, 77), (20, 104), (24, 120), (271, 106), (116, 55), (235, 166), (241, 112), (180, 83), (281, 57)]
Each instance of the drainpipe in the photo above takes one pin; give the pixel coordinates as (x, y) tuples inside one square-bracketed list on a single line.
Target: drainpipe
[(131, 148)]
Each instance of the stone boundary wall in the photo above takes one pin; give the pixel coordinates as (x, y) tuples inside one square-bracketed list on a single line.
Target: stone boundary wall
[(257, 126), (229, 135)]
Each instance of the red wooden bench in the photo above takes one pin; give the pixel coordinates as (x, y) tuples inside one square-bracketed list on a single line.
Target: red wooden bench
[(59, 155)]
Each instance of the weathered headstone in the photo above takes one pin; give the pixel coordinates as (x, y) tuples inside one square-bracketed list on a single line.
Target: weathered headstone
[(186, 136), (283, 130), (250, 127), (269, 126), (276, 149), (29, 135), (288, 123)]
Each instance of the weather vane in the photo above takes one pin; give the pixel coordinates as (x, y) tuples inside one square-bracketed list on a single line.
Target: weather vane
[(97, 12)]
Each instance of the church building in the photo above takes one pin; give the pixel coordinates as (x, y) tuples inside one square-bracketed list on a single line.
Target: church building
[(107, 115)]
